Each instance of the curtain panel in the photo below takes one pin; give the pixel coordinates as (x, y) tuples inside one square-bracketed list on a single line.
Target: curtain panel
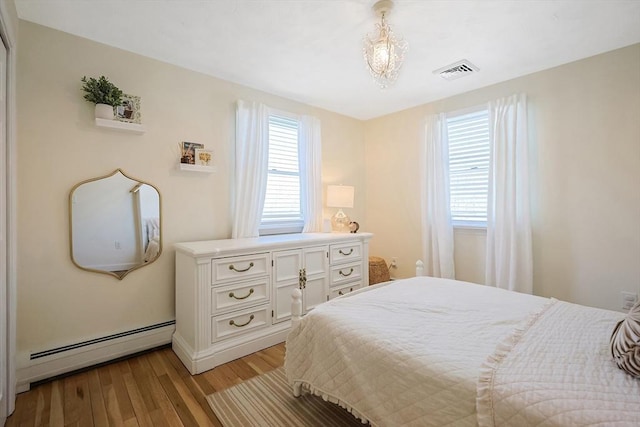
[(310, 154), (437, 230), (509, 262), (252, 159)]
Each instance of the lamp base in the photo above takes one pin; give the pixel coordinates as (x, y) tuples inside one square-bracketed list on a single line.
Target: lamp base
[(340, 222)]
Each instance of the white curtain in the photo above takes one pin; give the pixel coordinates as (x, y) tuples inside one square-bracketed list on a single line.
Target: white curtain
[(252, 159), (436, 213), (310, 154), (509, 263)]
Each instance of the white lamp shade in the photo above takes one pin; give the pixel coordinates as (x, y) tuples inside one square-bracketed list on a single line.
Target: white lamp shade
[(340, 196)]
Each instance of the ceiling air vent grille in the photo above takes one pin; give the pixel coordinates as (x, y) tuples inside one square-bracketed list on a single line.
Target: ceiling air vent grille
[(457, 70)]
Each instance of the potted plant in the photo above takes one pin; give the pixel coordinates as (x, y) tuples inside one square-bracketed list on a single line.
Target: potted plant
[(104, 94)]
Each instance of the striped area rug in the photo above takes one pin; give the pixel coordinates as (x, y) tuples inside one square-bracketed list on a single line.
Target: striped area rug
[(267, 400)]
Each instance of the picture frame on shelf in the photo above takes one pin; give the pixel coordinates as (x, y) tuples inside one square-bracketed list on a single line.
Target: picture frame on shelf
[(188, 152), (129, 109), (203, 157)]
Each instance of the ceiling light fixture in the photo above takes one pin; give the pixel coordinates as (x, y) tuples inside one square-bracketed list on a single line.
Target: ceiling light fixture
[(383, 52)]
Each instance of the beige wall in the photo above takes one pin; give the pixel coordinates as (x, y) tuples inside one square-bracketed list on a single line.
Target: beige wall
[(585, 138), (586, 204), (59, 146)]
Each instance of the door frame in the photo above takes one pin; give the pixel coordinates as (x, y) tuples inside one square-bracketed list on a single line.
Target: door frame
[(9, 35)]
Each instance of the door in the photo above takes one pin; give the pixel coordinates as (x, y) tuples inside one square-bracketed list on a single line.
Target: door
[(287, 267), (291, 267), (4, 296), (315, 273)]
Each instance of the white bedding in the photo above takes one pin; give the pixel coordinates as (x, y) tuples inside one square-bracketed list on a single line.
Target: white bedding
[(558, 371), (420, 369)]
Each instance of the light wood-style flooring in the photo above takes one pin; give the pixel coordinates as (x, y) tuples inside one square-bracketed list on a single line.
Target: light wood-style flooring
[(151, 389)]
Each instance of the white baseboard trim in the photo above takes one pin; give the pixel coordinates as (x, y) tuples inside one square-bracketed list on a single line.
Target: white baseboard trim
[(43, 365)]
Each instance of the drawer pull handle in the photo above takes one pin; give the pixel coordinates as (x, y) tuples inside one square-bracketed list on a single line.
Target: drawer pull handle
[(231, 267), (232, 323), (346, 253), (232, 295), (346, 274), (340, 292)]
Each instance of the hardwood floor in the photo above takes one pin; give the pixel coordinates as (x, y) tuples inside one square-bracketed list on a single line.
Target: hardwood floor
[(152, 389)]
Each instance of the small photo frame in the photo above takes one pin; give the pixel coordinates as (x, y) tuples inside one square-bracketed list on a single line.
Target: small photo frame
[(129, 109), (204, 157), (188, 154)]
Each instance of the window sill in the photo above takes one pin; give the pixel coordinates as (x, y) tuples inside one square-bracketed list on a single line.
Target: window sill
[(268, 230), (470, 227)]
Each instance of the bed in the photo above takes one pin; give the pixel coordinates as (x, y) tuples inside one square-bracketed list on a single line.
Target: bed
[(434, 352)]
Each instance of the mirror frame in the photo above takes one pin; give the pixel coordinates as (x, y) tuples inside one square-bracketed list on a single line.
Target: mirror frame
[(111, 273)]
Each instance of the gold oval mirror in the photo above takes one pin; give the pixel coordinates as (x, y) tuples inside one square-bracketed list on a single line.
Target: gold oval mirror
[(115, 224)]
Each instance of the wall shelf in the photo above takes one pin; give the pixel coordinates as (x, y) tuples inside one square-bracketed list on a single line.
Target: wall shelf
[(121, 126), (196, 168)]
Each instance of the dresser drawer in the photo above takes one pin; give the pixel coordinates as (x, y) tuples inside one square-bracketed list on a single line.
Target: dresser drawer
[(240, 267), (345, 252), (345, 273), (238, 295), (343, 290), (238, 323)]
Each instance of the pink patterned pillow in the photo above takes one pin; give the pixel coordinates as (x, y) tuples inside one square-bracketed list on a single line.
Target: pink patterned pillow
[(625, 342)]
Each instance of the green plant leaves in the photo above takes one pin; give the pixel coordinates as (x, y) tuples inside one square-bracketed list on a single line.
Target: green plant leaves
[(101, 91)]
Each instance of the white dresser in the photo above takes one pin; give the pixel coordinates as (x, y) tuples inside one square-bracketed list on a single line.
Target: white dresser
[(233, 296)]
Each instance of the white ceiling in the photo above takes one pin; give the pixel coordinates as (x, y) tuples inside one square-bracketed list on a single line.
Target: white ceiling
[(311, 50)]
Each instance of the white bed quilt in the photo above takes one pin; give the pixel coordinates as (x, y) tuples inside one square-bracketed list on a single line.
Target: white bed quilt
[(558, 371), (421, 369)]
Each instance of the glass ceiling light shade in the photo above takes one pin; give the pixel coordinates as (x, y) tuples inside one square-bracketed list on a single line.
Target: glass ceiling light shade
[(383, 51)]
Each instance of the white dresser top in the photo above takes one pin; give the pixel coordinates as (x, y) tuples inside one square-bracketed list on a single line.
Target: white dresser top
[(214, 248)]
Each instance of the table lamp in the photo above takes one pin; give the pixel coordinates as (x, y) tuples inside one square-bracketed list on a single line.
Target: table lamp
[(340, 196)]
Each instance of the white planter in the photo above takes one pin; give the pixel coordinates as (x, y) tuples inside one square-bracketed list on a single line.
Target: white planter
[(104, 111)]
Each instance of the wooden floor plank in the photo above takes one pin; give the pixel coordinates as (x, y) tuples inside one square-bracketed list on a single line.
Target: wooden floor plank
[(179, 404), (151, 389), (188, 390), (242, 369), (142, 373), (222, 377), (137, 401), (56, 416), (124, 403), (166, 413), (77, 401), (43, 406), (272, 356), (257, 363), (175, 363), (204, 385), (98, 407), (111, 405)]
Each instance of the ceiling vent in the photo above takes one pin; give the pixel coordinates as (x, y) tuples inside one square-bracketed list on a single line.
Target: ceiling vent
[(456, 70)]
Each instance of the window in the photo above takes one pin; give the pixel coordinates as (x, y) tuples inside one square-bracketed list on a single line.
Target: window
[(282, 212), (469, 152)]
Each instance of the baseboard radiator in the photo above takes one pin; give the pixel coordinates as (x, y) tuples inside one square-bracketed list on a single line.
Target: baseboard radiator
[(57, 361)]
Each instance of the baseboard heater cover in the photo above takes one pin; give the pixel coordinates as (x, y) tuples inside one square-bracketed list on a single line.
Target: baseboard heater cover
[(56, 361), (44, 353)]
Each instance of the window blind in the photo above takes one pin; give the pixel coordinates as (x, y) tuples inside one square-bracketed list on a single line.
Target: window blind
[(282, 199), (469, 152)]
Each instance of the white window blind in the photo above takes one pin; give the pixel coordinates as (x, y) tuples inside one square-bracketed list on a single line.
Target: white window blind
[(282, 205), (469, 152)]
